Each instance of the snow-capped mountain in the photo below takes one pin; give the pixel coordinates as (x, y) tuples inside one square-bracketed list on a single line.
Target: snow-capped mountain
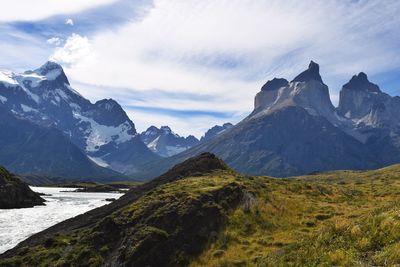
[(216, 130), (101, 130), (165, 142), (294, 129)]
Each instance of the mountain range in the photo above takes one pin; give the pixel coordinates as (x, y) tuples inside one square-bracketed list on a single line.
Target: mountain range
[(53, 130), (49, 129), (164, 142), (295, 129)]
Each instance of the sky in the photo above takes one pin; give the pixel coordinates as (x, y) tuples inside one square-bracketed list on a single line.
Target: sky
[(196, 63)]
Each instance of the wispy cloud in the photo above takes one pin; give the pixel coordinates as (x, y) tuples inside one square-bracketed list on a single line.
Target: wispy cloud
[(69, 22), (165, 57), (27, 10)]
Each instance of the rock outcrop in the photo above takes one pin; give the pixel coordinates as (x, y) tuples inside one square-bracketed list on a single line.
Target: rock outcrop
[(16, 194)]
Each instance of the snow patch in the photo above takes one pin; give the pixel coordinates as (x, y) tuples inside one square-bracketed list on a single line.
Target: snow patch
[(3, 99), (25, 108), (32, 78), (62, 94), (53, 74), (75, 107), (153, 144), (99, 161), (7, 77), (99, 135)]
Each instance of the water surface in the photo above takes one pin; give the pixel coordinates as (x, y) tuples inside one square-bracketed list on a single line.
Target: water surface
[(18, 224)]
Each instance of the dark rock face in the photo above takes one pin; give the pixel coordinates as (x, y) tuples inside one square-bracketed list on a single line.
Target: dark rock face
[(102, 131), (274, 84), (312, 73), (16, 194), (216, 130), (360, 82), (165, 142)]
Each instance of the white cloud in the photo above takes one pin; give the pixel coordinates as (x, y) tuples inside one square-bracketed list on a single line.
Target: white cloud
[(230, 48), (69, 22), (75, 49), (54, 41), (28, 10), (227, 49)]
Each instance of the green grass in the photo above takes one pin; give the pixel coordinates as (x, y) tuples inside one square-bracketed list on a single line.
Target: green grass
[(343, 218)]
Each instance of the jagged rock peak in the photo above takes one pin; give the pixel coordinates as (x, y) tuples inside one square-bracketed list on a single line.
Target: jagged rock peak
[(361, 82), (274, 84), (152, 128), (312, 73), (166, 129), (47, 67), (108, 104), (53, 71), (216, 130)]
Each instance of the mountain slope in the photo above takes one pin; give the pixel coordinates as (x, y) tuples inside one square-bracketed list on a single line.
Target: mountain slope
[(165, 142), (202, 214), (294, 129), (268, 147), (16, 194), (27, 148), (101, 130)]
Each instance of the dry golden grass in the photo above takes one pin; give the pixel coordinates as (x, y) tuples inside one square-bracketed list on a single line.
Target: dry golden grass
[(344, 218)]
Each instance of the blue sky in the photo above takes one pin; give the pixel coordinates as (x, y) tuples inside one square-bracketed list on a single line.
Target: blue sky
[(193, 64)]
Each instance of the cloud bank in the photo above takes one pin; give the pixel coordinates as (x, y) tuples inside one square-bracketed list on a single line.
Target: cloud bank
[(209, 58)]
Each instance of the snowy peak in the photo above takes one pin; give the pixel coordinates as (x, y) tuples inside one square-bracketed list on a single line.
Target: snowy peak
[(102, 130), (52, 71), (48, 67), (110, 113), (165, 142), (360, 82), (310, 74)]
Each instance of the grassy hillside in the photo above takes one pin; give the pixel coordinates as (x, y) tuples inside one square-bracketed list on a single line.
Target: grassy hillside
[(221, 218), (342, 218)]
